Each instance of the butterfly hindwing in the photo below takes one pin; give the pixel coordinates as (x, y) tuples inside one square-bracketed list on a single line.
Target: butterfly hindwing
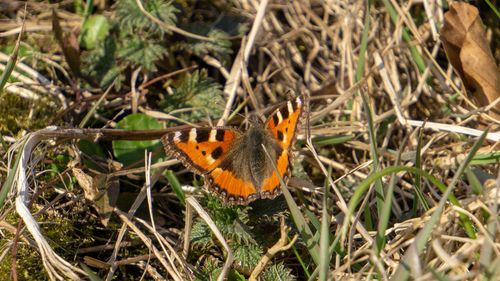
[(271, 186), (230, 188)]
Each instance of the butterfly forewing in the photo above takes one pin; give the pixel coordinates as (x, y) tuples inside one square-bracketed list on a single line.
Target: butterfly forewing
[(283, 122), (200, 149)]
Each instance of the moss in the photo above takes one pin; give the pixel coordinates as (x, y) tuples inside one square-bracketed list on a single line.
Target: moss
[(59, 231), (28, 264), (16, 114)]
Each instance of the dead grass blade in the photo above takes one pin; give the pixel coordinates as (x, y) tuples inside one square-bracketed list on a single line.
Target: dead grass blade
[(53, 263), (410, 260), (192, 203)]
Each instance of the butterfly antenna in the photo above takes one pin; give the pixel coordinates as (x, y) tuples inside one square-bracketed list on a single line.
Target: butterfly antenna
[(237, 110)]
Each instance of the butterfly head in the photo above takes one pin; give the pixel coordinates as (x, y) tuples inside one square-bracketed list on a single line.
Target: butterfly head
[(254, 120)]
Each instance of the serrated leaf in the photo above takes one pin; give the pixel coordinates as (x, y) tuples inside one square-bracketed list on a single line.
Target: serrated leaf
[(232, 25), (210, 271), (221, 47), (133, 21), (246, 255), (128, 152), (142, 53), (197, 90), (277, 272), (201, 234), (239, 232)]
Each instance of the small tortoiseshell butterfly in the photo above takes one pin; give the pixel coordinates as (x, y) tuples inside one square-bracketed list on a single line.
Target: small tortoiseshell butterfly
[(234, 164)]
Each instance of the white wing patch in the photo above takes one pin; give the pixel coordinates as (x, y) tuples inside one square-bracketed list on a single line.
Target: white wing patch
[(192, 134)]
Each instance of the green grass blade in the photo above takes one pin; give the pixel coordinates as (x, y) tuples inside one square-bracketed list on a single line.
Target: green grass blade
[(419, 61), (493, 270), (363, 187), (386, 209), (299, 258), (11, 63), (403, 270), (299, 220), (7, 186), (91, 274), (418, 164), (379, 190), (176, 187), (302, 227), (493, 8), (324, 241), (474, 182)]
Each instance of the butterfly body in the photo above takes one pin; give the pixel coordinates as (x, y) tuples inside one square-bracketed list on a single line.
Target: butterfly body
[(234, 163)]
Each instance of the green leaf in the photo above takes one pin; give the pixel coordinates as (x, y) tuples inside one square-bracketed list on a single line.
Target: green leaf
[(197, 90), (221, 48), (176, 186), (91, 274), (201, 235), (128, 152), (100, 63), (57, 167), (330, 140), (277, 272), (143, 53), (235, 276), (238, 232), (7, 185), (91, 148), (246, 255), (133, 21), (95, 30), (486, 158), (11, 63), (209, 271)]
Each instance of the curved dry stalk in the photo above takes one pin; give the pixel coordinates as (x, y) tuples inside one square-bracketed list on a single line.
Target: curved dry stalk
[(54, 264), (192, 203), (279, 246), (241, 62)]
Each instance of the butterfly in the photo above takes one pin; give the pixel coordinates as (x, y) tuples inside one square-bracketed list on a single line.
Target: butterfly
[(233, 162)]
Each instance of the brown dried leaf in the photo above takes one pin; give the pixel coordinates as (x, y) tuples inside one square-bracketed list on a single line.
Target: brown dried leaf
[(86, 183), (69, 44), (467, 49), (101, 191), (106, 199)]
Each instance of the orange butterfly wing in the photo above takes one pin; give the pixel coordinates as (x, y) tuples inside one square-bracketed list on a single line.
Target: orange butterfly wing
[(200, 149), (283, 125)]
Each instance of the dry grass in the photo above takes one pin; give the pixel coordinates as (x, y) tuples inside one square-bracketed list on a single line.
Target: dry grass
[(325, 49)]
